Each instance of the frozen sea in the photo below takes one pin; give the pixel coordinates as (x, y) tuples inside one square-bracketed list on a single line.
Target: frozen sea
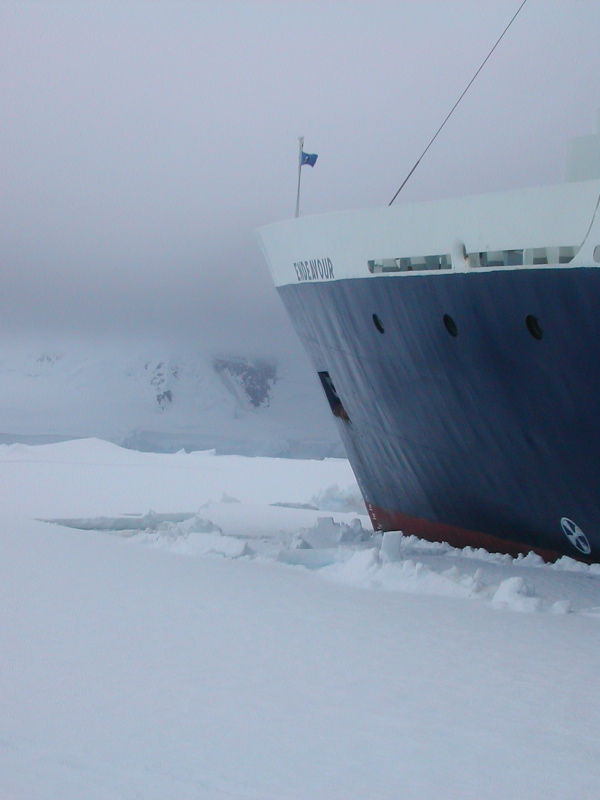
[(203, 626)]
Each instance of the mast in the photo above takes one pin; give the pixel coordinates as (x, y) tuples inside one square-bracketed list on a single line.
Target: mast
[(301, 148)]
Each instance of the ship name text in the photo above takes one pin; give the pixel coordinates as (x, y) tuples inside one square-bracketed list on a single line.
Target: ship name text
[(318, 269)]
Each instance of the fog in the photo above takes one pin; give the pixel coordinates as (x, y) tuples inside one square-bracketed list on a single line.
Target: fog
[(143, 143)]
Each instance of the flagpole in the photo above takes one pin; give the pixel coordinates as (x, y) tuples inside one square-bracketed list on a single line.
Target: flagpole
[(301, 146)]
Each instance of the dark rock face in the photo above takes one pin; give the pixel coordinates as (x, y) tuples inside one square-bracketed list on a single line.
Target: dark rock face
[(250, 381), (256, 378), (164, 398), (49, 358), (160, 374)]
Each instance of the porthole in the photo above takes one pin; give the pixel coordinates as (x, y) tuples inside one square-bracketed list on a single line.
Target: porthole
[(378, 324), (450, 325), (597, 254), (534, 327)]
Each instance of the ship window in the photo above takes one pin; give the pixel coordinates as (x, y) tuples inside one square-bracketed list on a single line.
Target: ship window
[(496, 258), (513, 258), (384, 265), (450, 325), (550, 255), (534, 327), (409, 264), (378, 324), (597, 254), (566, 254)]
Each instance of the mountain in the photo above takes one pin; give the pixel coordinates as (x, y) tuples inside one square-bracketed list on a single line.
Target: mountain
[(151, 400)]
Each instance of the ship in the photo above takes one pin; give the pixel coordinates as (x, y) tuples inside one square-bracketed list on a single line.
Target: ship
[(457, 342)]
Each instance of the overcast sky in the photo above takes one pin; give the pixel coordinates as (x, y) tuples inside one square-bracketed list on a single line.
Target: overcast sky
[(141, 143)]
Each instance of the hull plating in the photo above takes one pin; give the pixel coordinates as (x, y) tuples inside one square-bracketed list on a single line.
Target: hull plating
[(490, 433)]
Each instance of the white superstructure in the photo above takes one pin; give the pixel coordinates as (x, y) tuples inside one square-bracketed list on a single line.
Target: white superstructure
[(527, 227)]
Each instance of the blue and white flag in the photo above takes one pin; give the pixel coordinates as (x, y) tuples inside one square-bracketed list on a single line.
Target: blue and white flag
[(308, 158)]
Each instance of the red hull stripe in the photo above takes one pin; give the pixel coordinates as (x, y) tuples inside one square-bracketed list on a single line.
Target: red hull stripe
[(385, 520)]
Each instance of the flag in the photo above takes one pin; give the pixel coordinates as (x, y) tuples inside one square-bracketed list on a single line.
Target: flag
[(308, 158)]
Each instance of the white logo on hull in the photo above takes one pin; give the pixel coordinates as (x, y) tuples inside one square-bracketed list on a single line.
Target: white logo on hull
[(575, 535)]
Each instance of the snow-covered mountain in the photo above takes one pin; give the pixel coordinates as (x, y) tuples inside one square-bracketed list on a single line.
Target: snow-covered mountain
[(151, 400)]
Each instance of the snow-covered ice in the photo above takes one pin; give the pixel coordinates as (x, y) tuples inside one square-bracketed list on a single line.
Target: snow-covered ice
[(194, 625)]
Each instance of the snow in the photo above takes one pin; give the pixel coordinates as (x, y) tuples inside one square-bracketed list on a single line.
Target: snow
[(196, 625)]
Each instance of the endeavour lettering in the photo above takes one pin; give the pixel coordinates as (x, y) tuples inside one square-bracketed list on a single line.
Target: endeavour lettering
[(318, 269)]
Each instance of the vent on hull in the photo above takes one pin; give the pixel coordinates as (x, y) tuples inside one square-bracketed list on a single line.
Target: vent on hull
[(337, 407)]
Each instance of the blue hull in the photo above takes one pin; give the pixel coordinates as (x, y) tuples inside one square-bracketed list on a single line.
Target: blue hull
[(488, 437)]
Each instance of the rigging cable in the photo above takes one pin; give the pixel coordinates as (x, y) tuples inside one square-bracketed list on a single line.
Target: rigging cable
[(405, 181)]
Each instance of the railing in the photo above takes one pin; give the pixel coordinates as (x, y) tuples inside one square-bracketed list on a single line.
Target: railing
[(530, 255), (485, 258), (415, 264)]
